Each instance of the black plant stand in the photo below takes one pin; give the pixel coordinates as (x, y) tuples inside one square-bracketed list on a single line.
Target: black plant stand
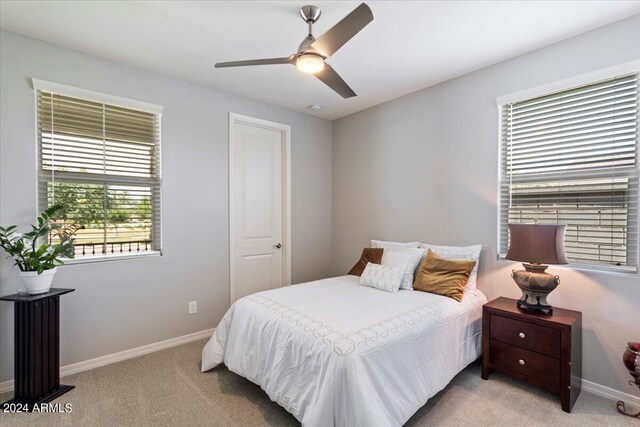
[(37, 348)]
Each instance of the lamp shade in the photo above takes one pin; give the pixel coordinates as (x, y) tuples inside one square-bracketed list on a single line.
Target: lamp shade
[(537, 243)]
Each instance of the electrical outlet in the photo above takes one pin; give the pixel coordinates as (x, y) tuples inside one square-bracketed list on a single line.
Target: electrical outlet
[(193, 307)]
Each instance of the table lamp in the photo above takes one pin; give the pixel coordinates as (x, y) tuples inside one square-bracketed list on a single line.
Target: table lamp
[(536, 245)]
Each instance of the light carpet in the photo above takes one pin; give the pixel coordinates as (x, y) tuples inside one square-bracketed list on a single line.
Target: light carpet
[(166, 388)]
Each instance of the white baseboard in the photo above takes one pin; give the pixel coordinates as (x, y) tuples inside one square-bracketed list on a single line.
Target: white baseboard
[(610, 393), (120, 356), (588, 386)]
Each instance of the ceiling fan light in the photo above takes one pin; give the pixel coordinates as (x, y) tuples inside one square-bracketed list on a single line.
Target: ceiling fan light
[(310, 63)]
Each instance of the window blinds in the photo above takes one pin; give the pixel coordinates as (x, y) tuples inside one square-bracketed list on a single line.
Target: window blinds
[(572, 158), (102, 162)]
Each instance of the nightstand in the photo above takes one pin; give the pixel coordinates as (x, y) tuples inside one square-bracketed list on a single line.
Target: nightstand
[(541, 349)]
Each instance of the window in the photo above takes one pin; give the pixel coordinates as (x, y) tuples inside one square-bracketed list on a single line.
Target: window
[(571, 158), (102, 162)]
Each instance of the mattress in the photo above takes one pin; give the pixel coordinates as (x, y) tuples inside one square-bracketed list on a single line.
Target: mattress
[(335, 353)]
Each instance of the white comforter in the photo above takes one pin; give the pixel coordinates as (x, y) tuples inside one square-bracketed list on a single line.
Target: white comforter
[(334, 353)]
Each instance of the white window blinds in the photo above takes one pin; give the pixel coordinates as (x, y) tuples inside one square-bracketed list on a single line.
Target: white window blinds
[(102, 162), (571, 157)]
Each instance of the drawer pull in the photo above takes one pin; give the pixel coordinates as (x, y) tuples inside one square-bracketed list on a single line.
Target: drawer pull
[(521, 335), (521, 361)]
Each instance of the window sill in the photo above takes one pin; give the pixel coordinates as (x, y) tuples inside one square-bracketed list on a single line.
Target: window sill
[(106, 258), (630, 271)]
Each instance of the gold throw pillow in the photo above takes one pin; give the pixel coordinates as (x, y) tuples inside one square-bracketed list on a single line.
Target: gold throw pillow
[(443, 276), (372, 255)]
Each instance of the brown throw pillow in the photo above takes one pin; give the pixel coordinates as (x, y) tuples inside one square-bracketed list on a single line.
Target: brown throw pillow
[(372, 255), (443, 276)]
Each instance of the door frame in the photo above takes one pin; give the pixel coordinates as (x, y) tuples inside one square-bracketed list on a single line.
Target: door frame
[(285, 131)]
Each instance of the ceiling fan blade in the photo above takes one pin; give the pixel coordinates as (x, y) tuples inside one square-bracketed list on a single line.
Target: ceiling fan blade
[(329, 77), (268, 61), (328, 43)]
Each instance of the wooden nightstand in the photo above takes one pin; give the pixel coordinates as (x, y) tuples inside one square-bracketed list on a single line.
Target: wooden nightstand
[(542, 349)]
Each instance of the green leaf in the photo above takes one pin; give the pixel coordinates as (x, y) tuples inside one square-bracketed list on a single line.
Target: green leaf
[(42, 249)]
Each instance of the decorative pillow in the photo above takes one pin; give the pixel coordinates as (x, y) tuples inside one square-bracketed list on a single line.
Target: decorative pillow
[(384, 277), (369, 255), (443, 276), (466, 253), (385, 244), (406, 258)]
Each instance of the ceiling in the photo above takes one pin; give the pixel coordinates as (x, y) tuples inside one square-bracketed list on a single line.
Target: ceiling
[(409, 46)]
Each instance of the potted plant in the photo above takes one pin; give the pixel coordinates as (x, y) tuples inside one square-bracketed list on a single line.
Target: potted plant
[(38, 252)]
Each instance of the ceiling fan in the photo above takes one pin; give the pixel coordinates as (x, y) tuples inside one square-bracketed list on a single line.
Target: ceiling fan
[(312, 53)]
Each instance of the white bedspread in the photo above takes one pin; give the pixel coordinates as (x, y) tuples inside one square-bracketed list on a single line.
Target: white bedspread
[(334, 353)]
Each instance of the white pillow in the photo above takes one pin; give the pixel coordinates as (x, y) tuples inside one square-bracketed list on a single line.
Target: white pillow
[(466, 253), (385, 244), (384, 277), (406, 258)]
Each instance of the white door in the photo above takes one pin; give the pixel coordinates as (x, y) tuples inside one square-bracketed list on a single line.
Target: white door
[(257, 206)]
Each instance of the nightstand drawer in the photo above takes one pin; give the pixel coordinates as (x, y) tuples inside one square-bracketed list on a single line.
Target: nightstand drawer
[(539, 369), (526, 335)]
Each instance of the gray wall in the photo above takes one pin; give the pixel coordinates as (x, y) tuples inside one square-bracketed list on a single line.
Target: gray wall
[(425, 167), (125, 304)]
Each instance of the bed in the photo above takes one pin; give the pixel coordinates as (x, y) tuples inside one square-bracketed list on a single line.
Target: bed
[(335, 353)]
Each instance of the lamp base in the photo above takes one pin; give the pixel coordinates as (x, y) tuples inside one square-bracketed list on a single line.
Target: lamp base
[(535, 285), (522, 303)]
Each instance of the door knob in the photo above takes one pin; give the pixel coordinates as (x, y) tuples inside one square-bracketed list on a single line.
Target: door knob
[(277, 246)]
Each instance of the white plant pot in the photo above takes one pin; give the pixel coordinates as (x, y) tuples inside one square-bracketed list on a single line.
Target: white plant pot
[(36, 283)]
